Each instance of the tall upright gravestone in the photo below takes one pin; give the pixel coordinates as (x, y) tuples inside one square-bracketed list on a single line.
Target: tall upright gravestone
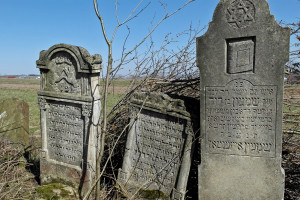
[(69, 102), (241, 60)]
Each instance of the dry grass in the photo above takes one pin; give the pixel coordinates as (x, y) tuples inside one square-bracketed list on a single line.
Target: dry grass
[(15, 181)]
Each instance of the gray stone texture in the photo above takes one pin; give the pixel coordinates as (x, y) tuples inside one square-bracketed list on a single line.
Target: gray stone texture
[(69, 102), (241, 60), (158, 148), (14, 122)]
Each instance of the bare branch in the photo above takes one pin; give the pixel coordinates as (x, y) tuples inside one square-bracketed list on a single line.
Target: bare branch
[(151, 31), (101, 21), (133, 11), (116, 8)]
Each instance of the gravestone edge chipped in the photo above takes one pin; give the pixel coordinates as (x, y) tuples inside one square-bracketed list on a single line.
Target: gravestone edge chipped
[(241, 59), (69, 102), (146, 107)]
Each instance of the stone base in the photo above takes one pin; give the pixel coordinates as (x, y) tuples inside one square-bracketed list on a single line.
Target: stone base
[(234, 177), (52, 171)]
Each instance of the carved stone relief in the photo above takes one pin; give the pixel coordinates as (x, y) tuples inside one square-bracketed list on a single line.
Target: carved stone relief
[(69, 102), (240, 119), (62, 75), (240, 55), (240, 13)]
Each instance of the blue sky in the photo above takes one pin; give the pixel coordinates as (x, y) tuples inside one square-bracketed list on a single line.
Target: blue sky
[(29, 26)]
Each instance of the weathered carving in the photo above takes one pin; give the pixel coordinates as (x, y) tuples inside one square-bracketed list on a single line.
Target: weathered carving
[(241, 58), (86, 110), (159, 102), (62, 76), (156, 151), (240, 13), (240, 55), (65, 128), (69, 100), (42, 103), (236, 114), (158, 146)]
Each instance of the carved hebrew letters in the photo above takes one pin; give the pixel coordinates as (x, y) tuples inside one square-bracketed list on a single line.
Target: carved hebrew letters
[(158, 147), (157, 151), (65, 133), (240, 119)]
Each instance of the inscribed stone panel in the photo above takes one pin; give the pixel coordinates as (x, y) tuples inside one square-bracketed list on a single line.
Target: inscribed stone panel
[(241, 60), (65, 126), (240, 119), (158, 148), (69, 101)]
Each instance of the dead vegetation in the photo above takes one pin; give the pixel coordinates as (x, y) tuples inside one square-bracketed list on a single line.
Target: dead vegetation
[(16, 182), (291, 142), (19, 170)]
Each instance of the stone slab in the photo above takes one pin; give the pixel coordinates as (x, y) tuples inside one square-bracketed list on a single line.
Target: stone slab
[(69, 101), (159, 146), (14, 121), (241, 59)]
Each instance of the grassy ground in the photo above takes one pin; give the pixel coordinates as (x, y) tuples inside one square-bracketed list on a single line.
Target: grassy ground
[(30, 96), (19, 81)]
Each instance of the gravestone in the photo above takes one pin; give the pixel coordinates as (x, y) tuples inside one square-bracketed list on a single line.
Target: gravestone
[(14, 122), (69, 102), (157, 158), (241, 60)]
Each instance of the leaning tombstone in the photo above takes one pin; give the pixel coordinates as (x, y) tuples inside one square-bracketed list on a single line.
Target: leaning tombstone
[(158, 153), (241, 60), (69, 102), (14, 122)]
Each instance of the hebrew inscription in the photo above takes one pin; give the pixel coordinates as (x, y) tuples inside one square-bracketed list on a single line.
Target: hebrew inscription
[(240, 55), (65, 133), (157, 150), (241, 119), (240, 13)]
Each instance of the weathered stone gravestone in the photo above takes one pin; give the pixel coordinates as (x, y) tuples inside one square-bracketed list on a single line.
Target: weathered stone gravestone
[(241, 60), (158, 150), (69, 102), (14, 121)]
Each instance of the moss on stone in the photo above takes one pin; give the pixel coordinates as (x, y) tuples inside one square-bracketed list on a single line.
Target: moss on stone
[(59, 181), (53, 191)]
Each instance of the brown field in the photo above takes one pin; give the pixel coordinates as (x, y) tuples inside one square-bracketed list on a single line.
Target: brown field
[(118, 86)]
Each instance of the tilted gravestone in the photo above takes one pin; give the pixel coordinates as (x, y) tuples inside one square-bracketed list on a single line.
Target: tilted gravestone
[(241, 60), (14, 122), (69, 102), (158, 148)]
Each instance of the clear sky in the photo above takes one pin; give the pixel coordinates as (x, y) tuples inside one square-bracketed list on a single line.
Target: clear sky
[(29, 26)]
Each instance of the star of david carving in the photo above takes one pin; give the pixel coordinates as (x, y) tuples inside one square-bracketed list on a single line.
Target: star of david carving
[(240, 13)]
